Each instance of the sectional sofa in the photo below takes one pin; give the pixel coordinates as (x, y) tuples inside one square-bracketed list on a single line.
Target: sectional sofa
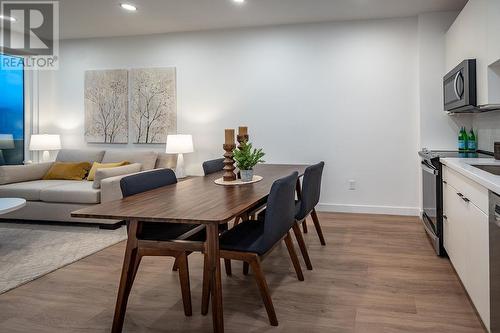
[(54, 200)]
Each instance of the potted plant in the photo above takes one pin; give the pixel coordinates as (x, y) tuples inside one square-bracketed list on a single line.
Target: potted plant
[(246, 158)]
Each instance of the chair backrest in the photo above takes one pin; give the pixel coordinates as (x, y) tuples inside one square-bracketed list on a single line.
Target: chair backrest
[(213, 166), (146, 181), (280, 210), (311, 189)]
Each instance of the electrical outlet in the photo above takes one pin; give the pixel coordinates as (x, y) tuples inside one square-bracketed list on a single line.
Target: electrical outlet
[(352, 184)]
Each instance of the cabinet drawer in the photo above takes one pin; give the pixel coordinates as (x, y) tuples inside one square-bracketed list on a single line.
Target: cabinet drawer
[(469, 188)]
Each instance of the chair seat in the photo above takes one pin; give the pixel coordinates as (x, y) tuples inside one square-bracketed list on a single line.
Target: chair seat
[(167, 231), (245, 237)]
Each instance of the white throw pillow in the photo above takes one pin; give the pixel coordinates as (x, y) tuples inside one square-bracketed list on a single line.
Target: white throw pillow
[(101, 174)]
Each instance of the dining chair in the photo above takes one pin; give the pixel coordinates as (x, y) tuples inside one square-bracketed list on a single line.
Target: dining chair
[(308, 197), (251, 241), (213, 166), (153, 238)]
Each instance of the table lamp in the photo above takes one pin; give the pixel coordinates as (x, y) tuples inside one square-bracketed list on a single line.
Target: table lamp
[(6, 142), (179, 144), (45, 142)]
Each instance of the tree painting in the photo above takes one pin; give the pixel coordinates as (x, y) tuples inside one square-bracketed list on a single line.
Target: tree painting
[(106, 104), (153, 104)]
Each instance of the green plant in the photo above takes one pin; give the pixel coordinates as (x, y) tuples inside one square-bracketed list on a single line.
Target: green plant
[(246, 158)]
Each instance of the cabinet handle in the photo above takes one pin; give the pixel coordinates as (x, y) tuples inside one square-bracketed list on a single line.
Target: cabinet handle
[(465, 199), (445, 217), (460, 195), (445, 182)]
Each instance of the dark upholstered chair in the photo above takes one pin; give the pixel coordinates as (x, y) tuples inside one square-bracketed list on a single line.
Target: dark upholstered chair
[(250, 241), (213, 166), (153, 238), (309, 198)]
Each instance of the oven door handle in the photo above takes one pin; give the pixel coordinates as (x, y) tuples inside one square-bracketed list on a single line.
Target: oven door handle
[(428, 169)]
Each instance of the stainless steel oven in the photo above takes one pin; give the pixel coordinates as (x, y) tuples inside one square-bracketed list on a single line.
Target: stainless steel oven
[(432, 203)]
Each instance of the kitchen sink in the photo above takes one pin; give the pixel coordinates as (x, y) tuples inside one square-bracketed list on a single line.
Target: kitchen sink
[(493, 169)]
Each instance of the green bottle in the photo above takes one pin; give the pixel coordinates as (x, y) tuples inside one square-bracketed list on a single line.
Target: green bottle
[(472, 141), (462, 140)]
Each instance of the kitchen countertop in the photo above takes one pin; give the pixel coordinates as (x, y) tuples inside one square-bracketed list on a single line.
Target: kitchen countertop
[(464, 167)]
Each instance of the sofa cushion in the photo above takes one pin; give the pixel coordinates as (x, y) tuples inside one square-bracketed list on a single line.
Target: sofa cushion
[(98, 165), (72, 192), (166, 161), (68, 171), (80, 155), (29, 190), (112, 172), (146, 158), (22, 173)]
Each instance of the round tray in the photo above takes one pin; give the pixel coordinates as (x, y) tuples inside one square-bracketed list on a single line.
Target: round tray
[(221, 181)]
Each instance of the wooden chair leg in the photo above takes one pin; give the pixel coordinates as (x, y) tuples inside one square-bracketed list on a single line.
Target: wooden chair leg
[(302, 246), (126, 278), (293, 256), (205, 296), (264, 291), (227, 264), (175, 267), (304, 225), (185, 285), (318, 227), (245, 268)]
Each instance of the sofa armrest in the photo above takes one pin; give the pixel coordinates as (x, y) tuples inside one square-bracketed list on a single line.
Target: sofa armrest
[(110, 187), (23, 173)]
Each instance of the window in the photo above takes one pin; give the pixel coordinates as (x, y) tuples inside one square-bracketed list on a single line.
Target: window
[(11, 111)]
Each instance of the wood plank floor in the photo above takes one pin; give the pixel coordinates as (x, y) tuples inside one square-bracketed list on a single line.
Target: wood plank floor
[(376, 274)]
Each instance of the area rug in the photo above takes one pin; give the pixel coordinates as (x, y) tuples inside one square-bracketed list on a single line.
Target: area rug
[(28, 251)]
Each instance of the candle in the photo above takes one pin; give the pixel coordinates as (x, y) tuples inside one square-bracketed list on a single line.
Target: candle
[(242, 130), (229, 136)]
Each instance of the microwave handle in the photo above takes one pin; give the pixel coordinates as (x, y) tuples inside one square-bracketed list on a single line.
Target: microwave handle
[(455, 88)]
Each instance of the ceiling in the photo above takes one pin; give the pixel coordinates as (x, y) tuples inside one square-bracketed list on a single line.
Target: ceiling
[(105, 18)]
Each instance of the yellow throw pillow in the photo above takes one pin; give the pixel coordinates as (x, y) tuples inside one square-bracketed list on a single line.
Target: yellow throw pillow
[(96, 166), (67, 171)]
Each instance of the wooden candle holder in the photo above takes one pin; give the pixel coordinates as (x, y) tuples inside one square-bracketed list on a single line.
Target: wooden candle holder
[(241, 139), (229, 167)]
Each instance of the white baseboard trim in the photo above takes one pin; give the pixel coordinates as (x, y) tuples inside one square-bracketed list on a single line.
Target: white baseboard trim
[(366, 209)]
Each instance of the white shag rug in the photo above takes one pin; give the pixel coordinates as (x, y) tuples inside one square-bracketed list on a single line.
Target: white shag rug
[(28, 251)]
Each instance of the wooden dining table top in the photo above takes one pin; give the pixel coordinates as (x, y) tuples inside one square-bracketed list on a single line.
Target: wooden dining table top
[(196, 200)]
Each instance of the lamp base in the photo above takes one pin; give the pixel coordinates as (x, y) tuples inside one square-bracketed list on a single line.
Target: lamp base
[(180, 172), (45, 156)]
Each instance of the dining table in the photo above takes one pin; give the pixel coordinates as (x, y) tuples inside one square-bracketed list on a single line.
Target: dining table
[(197, 200)]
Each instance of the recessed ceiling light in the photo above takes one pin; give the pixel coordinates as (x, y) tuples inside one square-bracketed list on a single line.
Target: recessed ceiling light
[(128, 7), (239, 1), (8, 18)]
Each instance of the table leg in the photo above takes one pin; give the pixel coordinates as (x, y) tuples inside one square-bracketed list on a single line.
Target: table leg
[(126, 277), (213, 258)]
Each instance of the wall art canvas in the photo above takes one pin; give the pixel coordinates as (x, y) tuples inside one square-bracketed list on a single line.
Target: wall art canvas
[(153, 105), (106, 106)]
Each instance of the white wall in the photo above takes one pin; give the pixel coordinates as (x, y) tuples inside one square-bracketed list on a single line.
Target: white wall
[(345, 93), (437, 129)]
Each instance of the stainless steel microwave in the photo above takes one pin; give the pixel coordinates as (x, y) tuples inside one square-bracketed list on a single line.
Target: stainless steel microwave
[(459, 87)]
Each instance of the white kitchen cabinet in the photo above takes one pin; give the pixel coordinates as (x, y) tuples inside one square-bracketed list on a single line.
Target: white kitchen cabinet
[(466, 240), (477, 261), (474, 35), (454, 230)]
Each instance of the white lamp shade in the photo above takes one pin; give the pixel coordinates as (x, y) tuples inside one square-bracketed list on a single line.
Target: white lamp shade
[(45, 142), (6, 141), (179, 144)]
